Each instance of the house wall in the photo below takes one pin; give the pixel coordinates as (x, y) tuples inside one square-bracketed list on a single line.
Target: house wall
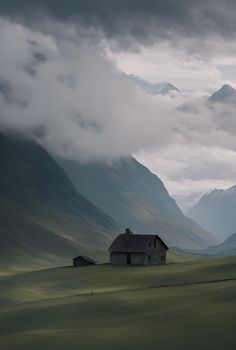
[(138, 259), (154, 255), (117, 258)]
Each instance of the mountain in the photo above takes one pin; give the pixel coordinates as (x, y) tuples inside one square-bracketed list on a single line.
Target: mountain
[(44, 221), (226, 94), (163, 88), (216, 212), (136, 198), (227, 248)]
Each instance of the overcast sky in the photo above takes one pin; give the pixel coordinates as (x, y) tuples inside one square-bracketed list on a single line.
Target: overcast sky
[(62, 82)]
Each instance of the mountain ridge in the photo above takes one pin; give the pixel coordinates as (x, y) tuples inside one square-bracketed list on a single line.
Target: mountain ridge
[(135, 197), (43, 218), (226, 248), (226, 94), (163, 88), (215, 211)]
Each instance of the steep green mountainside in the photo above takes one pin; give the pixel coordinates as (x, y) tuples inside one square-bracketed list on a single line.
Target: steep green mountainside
[(216, 212), (136, 198), (43, 220)]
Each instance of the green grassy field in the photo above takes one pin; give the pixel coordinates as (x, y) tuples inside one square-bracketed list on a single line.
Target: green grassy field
[(191, 305)]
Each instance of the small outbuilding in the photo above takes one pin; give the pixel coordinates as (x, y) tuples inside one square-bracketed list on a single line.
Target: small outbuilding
[(138, 249), (83, 260)]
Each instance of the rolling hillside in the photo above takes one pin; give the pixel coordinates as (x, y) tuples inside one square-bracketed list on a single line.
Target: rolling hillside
[(44, 221), (216, 212), (136, 198), (178, 306)]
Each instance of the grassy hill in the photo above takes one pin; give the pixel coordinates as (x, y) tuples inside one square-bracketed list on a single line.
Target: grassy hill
[(177, 306), (136, 198), (43, 220)]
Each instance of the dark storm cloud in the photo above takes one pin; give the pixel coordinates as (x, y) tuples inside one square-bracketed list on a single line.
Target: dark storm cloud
[(142, 20)]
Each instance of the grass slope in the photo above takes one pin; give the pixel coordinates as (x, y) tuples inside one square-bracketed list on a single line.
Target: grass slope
[(178, 306), (44, 221), (136, 198)]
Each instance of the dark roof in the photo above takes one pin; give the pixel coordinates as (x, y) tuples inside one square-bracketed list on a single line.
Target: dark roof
[(85, 258), (133, 243)]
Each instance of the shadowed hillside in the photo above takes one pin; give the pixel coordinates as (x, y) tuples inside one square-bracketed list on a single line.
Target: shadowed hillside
[(43, 220), (136, 198)]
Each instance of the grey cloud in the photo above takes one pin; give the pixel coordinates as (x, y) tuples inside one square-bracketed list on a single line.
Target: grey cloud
[(143, 20), (99, 113), (6, 90), (68, 80), (92, 116), (9, 95), (37, 58), (81, 106)]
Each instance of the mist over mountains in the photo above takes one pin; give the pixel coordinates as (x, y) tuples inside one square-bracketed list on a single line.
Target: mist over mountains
[(216, 212), (62, 206), (48, 216), (43, 220), (163, 88), (136, 198), (226, 94)]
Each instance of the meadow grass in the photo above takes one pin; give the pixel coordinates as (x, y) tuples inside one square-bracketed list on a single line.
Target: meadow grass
[(178, 306)]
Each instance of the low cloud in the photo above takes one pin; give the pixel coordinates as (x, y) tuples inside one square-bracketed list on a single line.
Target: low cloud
[(73, 99), (70, 97)]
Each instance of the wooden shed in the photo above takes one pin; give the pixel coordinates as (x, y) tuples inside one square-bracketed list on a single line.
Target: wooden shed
[(138, 249), (83, 260)]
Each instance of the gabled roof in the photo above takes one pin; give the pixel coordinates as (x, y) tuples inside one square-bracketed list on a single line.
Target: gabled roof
[(85, 258), (133, 243)]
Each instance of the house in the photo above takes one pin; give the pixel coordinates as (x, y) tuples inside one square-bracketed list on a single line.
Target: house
[(135, 249), (82, 260)]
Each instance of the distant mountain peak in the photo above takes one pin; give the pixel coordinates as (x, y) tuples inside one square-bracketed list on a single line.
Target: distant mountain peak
[(226, 94), (162, 88), (227, 87), (215, 212)]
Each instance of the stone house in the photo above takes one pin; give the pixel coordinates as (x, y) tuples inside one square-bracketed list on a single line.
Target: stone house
[(136, 249)]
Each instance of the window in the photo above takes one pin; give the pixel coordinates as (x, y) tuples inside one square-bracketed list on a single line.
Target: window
[(155, 244), (149, 258), (150, 244)]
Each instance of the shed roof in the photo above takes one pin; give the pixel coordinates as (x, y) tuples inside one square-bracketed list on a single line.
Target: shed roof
[(133, 243), (85, 258)]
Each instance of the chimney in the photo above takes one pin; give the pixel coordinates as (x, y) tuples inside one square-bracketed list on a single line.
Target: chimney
[(128, 232)]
